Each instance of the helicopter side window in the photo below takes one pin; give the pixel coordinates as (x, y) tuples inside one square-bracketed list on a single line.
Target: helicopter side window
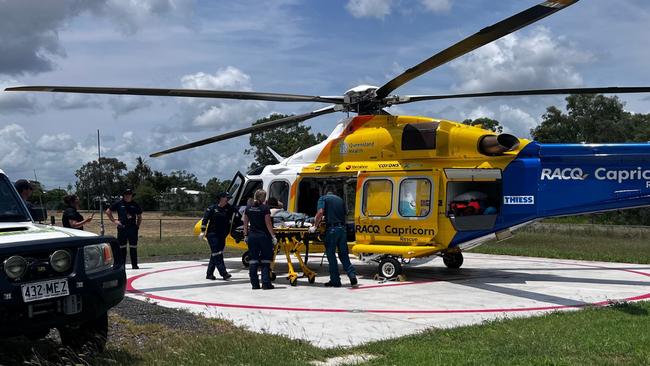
[(378, 197), (414, 197), (279, 190)]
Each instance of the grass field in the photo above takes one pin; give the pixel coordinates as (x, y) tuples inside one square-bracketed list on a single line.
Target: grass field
[(617, 335)]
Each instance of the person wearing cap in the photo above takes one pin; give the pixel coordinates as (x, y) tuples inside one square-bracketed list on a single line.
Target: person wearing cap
[(129, 218), (332, 208), (215, 227), (25, 189)]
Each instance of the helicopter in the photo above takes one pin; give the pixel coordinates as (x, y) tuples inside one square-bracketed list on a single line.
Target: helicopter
[(416, 186)]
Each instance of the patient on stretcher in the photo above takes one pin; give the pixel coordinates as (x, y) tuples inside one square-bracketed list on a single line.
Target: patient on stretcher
[(285, 219)]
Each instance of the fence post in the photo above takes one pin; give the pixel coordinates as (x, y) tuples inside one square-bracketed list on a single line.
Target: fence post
[(160, 222)]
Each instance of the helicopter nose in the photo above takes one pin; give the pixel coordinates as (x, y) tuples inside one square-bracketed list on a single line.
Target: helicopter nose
[(492, 145)]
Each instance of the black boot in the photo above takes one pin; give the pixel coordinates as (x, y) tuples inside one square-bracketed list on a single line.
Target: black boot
[(134, 258)]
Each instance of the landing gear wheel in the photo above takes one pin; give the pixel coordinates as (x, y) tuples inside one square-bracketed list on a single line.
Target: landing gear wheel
[(245, 259), (88, 338), (311, 279), (453, 260), (389, 268), (293, 282), (273, 276)]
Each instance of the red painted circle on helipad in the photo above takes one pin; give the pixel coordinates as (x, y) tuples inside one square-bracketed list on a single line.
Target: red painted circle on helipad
[(130, 288)]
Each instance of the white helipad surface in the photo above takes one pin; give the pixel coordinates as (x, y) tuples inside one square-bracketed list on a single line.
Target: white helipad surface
[(486, 287)]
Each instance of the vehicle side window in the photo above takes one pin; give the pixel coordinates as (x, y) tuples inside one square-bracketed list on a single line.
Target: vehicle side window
[(377, 197), (414, 197), (279, 189)]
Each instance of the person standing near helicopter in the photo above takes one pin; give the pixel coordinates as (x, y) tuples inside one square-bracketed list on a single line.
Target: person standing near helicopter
[(332, 208), (261, 240), (215, 227)]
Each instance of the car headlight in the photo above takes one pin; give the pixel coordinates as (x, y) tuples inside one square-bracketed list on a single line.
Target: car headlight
[(98, 257), (61, 261), (15, 267)]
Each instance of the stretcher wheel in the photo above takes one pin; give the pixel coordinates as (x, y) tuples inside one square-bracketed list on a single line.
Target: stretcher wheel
[(453, 260), (311, 279), (245, 259), (389, 267), (293, 282), (273, 276)]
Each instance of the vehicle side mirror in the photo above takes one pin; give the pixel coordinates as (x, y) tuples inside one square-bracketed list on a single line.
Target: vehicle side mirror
[(39, 214)]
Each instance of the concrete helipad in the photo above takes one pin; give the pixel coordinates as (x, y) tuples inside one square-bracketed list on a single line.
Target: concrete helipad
[(487, 287)]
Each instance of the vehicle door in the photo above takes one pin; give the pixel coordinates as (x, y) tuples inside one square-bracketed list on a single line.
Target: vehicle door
[(397, 207)]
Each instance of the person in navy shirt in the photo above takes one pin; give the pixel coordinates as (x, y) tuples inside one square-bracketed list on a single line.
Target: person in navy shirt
[(129, 218), (260, 239), (215, 227), (332, 208)]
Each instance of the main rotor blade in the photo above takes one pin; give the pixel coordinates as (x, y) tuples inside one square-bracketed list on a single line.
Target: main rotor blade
[(475, 41), (194, 93), (244, 131), (403, 99)]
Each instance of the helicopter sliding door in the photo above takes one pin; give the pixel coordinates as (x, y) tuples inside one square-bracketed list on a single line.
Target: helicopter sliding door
[(397, 208), (473, 198)]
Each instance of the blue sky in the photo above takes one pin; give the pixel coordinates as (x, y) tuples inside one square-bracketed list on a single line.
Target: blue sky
[(305, 47)]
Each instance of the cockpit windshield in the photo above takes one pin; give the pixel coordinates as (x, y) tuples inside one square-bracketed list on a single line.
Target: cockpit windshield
[(11, 208)]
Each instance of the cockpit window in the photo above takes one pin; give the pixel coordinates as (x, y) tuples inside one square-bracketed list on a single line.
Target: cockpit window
[(11, 208)]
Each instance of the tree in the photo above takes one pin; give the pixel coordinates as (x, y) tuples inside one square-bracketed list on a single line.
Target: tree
[(589, 119), (213, 187), (94, 182), (286, 141), (141, 173), (147, 196), (485, 123)]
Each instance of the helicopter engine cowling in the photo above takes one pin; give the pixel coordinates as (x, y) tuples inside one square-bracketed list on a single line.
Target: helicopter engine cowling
[(493, 145)]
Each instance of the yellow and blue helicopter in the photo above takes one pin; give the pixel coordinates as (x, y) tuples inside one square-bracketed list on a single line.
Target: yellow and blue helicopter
[(417, 186)]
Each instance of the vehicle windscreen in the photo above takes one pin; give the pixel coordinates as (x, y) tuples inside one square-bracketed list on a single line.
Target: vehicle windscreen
[(11, 207)]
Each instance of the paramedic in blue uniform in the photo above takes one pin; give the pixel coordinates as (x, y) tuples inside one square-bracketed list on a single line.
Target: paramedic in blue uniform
[(261, 240), (129, 218), (215, 227), (332, 208)]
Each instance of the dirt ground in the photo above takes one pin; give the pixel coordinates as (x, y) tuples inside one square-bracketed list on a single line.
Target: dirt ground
[(153, 224)]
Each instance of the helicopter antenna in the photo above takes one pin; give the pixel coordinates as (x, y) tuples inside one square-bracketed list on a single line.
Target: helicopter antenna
[(101, 195)]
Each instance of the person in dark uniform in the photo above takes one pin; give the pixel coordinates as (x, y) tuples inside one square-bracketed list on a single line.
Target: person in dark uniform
[(129, 218), (260, 239), (25, 190), (332, 208), (71, 216), (215, 227)]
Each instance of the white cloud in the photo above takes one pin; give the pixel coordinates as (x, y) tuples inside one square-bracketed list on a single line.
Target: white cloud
[(369, 8), (436, 6), (536, 60), (55, 143), (513, 119), (202, 114), (229, 78), (14, 149)]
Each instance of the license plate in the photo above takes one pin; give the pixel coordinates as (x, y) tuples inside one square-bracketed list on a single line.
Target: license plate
[(44, 290)]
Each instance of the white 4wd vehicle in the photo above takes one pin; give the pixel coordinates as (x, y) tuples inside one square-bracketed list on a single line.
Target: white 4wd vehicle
[(53, 277)]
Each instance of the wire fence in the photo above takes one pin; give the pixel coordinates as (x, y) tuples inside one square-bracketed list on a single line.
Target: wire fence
[(151, 227)]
